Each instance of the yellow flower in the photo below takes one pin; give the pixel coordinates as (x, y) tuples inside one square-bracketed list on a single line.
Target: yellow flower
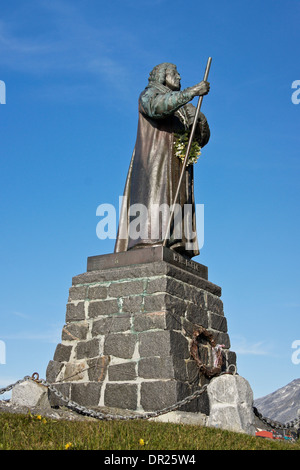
[(68, 445), (44, 421), (39, 417), (142, 442)]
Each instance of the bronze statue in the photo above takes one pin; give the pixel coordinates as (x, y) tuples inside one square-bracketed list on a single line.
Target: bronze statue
[(165, 113)]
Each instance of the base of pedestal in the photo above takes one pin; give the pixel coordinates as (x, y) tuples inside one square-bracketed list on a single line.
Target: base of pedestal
[(129, 326)]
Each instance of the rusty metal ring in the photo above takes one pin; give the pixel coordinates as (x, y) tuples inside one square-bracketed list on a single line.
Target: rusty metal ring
[(35, 376)]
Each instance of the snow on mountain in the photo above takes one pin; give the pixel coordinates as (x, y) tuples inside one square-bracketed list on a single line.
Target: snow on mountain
[(283, 405)]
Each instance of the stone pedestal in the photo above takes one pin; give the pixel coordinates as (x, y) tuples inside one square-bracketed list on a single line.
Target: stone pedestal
[(231, 404), (129, 325)]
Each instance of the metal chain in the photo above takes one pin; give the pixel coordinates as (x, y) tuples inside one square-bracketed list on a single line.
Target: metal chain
[(99, 415), (105, 416), (8, 388), (153, 414), (295, 423)]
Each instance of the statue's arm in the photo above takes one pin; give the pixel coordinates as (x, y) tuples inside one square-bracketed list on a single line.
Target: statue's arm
[(158, 105)]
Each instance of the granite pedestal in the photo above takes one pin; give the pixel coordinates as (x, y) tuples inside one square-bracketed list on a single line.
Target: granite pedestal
[(129, 325)]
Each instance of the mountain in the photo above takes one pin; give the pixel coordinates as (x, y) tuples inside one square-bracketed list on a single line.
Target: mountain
[(281, 405)]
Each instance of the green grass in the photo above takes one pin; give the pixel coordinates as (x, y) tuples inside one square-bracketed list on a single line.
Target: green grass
[(27, 432)]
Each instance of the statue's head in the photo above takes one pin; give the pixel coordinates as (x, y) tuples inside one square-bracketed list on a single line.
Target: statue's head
[(166, 74)]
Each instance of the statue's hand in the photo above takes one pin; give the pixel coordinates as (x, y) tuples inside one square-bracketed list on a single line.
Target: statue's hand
[(200, 89)]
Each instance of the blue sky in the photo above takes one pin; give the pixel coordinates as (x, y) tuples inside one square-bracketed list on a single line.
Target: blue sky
[(73, 72)]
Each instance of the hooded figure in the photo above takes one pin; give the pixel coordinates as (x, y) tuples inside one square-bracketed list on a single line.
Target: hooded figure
[(154, 171)]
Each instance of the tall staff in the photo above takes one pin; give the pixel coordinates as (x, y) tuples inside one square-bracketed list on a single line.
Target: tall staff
[(187, 152)]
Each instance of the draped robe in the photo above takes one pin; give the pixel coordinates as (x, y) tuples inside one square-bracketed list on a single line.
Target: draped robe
[(154, 173)]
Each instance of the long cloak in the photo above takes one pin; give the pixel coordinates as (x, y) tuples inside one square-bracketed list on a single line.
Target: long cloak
[(154, 173)]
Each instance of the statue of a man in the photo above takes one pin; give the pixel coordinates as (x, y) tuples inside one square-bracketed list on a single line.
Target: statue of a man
[(152, 180)]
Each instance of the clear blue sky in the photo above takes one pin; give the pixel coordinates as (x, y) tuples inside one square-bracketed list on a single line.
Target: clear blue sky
[(73, 72)]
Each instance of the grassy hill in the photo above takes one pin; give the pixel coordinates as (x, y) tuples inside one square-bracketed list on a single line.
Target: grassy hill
[(28, 432)]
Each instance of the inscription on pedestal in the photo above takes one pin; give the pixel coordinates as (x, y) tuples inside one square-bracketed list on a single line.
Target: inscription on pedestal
[(146, 255)]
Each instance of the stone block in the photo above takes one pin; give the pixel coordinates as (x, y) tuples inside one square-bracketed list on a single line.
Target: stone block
[(64, 389), (196, 315), (195, 295), (156, 343), (126, 289), (217, 322), (157, 285), (30, 394), (103, 307), (132, 304), (53, 370), (124, 371), (75, 312), (199, 404), (163, 343), (88, 349), (168, 303), (97, 368), (97, 292), (74, 371), (180, 370), (149, 321), (192, 371), (221, 338), (231, 404), (193, 279), (62, 353), (77, 293), (156, 368), (120, 345), (121, 273), (75, 331), (112, 324), (166, 284), (155, 303), (158, 394), (214, 304), (121, 395), (86, 394)]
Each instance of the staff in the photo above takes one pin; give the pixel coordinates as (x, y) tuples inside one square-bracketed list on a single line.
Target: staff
[(187, 152)]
